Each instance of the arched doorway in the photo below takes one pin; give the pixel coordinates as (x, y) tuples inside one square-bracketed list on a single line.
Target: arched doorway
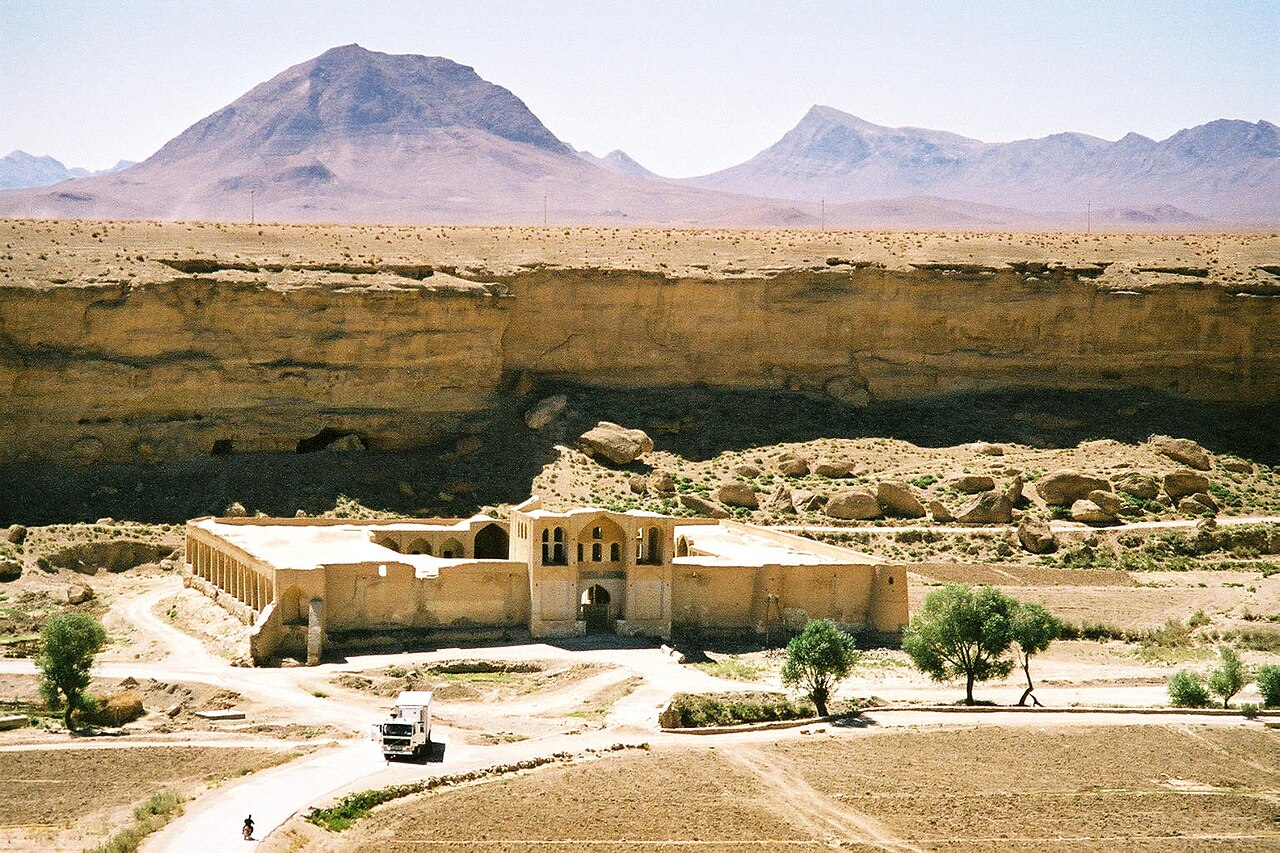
[(492, 543), (595, 609)]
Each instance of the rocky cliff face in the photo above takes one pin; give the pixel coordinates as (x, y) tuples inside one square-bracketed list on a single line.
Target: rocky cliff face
[(227, 357)]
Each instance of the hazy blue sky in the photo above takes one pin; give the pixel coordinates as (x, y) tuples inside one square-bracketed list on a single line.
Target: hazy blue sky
[(685, 87)]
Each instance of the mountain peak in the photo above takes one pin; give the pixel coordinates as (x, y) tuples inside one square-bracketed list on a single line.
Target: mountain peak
[(350, 92)]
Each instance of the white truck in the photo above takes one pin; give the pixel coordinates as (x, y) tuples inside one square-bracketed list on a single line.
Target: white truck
[(407, 729)]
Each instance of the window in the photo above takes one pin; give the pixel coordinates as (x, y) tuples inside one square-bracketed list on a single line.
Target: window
[(579, 552), (597, 552), (615, 553), (595, 533)]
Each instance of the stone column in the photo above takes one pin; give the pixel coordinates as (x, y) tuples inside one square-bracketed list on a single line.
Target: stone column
[(315, 631)]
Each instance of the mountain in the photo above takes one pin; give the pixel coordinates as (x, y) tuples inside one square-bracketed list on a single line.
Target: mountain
[(619, 161), (19, 169), (359, 136), (1225, 169)]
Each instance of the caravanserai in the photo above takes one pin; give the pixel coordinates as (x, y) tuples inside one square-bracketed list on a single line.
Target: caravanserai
[(551, 574)]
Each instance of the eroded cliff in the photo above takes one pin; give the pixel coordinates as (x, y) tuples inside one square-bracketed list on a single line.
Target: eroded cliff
[(149, 342)]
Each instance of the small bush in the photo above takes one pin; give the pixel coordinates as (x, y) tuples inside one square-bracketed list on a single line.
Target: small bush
[(1187, 690), (1249, 711), (116, 709), (692, 711), (1268, 678)]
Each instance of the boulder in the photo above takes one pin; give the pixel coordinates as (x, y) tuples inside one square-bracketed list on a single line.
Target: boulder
[(1191, 506), (780, 500), (1181, 450), (1036, 536), (832, 468), (1235, 466), (972, 484), (1183, 483), (793, 465), (1014, 490), (984, 448), (854, 504), (1107, 502), (662, 483), (525, 384), (939, 512), (1088, 512), (896, 498), (619, 445), (346, 444), (702, 506), (1138, 486), (988, 508), (16, 534), (1206, 499), (10, 570), (746, 470), (235, 510), (1064, 487), (805, 500), (79, 593), (737, 494), (302, 513), (639, 484), (546, 411)]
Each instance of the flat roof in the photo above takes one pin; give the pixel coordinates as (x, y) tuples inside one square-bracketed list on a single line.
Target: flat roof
[(305, 546), (740, 545)]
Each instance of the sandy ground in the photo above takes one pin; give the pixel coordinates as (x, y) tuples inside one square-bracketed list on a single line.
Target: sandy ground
[(1160, 787)]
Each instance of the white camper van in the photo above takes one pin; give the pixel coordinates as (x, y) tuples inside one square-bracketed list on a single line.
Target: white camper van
[(407, 729)]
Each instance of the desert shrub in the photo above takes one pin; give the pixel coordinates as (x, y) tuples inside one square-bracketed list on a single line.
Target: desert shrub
[(1268, 678), (116, 709), (1249, 711), (160, 808), (1093, 631), (1198, 619), (1187, 690)]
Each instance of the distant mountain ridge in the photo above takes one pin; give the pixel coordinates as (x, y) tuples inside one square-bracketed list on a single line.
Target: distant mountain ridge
[(353, 135), (1225, 169), (18, 170)]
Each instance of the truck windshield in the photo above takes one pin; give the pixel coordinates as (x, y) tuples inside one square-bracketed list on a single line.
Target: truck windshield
[(397, 729)]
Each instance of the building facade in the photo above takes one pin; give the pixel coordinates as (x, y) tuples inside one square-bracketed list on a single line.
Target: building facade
[(554, 574)]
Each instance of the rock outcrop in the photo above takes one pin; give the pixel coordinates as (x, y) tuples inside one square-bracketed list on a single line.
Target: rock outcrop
[(972, 484), (704, 507), (737, 494), (1036, 536), (203, 352)]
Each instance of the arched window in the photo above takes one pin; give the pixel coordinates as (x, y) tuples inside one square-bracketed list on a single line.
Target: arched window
[(615, 552), (597, 553), (419, 546), (595, 533), (492, 543)]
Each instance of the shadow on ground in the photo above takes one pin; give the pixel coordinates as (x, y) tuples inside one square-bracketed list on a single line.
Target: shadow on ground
[(696, 423)]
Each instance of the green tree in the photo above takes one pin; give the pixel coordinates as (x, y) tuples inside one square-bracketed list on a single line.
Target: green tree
[(1269, 684), (1186, 690), (1034, 628), (962, 633), (818, 658), (1230, 677), (69, 643)]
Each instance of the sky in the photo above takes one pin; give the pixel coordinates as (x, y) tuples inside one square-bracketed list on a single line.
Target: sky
[(685, 87)]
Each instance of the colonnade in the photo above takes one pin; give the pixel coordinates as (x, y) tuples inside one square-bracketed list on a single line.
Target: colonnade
[(230, 575)]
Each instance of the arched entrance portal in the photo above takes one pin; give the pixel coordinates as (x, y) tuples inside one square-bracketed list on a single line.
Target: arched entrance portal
[(492, 543), (595, 610)]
